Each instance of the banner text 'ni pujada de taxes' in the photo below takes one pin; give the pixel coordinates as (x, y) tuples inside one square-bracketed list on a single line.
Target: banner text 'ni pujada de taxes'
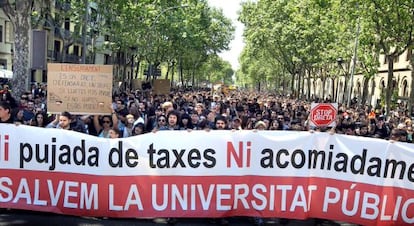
[(282, 174)]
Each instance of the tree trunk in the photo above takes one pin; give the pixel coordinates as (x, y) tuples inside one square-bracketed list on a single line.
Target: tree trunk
[(20, 17), (137, 69), (299, 85), (292, 84), (345, 92), (323, 88), (410, 103), (365, 91), (172, 73), (390, 85), (181, 74), (309, 85), (168, 70)]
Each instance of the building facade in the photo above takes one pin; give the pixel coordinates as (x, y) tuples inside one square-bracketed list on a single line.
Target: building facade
[(402, 77), (6, 42)]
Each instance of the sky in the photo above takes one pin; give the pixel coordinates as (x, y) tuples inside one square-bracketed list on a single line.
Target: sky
[(230, 9)]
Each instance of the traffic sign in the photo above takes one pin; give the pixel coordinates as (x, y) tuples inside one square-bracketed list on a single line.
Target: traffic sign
[(323, 114)]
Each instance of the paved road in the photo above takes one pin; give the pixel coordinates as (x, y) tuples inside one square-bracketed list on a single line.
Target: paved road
[(26, 218)]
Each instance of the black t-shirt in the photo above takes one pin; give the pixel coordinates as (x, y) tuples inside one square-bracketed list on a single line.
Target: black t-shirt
[(10, 120)]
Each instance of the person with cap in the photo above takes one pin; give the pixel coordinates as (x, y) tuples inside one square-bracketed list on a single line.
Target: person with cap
[(236, 123)]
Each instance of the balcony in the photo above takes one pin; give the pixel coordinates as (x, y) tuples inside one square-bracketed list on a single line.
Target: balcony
[(62, 5), (62, 33), (5, 48), (57, 57)]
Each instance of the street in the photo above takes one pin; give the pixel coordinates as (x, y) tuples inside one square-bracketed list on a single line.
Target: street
[(23, 217)]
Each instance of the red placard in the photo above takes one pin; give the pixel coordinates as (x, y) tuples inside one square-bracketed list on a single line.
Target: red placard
[(323, 114)]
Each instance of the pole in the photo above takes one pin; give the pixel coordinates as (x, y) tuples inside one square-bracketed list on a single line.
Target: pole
[(354, 60), (152, 26), (84, 28)]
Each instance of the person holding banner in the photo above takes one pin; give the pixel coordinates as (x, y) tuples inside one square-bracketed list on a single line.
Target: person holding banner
[(114, 132), (104, 124), (220, 123), (173, 118), (40, 120), (5, 113), (61, 121)]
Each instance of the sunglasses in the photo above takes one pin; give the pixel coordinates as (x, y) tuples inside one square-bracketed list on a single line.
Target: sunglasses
[(106, 121), (161, 120)]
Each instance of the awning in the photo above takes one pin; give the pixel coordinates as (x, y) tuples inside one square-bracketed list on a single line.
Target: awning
[(6, 74)]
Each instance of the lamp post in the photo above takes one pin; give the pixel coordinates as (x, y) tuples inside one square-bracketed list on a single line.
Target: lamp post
[(84, 30), (354, 61), (340, 62), (154, 21)]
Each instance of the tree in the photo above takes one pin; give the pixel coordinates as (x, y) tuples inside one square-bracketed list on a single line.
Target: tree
[(391, 23), (19, 14), (297, 34), (183, 32)]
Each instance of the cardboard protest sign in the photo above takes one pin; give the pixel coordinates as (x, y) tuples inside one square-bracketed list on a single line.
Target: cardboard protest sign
[(136, 84), (162, 86), (79, 88)]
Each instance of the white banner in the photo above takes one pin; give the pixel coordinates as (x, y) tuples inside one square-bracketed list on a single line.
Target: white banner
[(208, 174)]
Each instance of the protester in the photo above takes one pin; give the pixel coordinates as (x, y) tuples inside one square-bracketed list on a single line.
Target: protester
[(173, 119), (114, 132), (61, 121), (200, 110), (5, 113), (40, 120)]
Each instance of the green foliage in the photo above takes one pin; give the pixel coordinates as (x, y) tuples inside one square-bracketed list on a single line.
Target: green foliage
[(299, 35), (215, 70), (186, 32)]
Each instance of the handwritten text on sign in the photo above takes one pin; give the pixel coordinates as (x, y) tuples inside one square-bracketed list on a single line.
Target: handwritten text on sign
[(79, 88)]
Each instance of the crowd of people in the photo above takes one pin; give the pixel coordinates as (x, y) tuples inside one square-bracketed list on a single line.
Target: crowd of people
[(135, 113)]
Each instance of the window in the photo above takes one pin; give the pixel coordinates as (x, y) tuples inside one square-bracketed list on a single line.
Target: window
[(67, 24), (76, 50), (57, 46), (409, 54), (3, 64), (107, 59), (1, 33), (8, 32)]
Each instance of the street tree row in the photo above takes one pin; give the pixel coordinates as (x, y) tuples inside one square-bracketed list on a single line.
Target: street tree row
[(185, 36), (288, 42)]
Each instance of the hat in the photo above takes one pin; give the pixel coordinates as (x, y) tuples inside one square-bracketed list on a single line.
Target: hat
[(236, 119), (260, 123)]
